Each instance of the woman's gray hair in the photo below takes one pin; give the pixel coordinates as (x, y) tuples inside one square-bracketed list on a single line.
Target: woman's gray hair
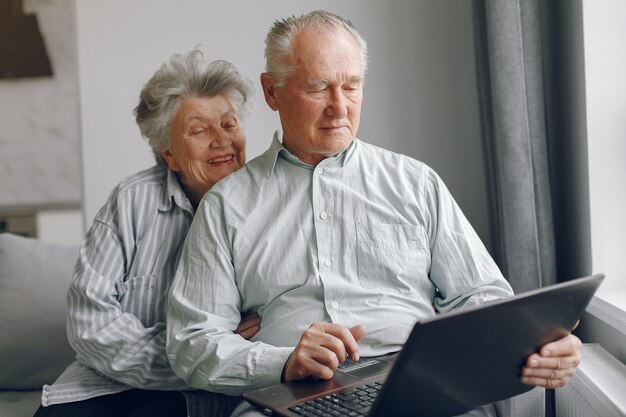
[(279, 41), (186, 76)]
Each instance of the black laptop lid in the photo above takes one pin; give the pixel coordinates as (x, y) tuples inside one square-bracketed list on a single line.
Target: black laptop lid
[(460, 361)]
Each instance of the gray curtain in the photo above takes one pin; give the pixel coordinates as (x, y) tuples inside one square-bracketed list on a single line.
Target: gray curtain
[(530, 72), (511, 91)]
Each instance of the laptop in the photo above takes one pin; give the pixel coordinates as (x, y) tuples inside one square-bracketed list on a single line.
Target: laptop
[(450, 364)]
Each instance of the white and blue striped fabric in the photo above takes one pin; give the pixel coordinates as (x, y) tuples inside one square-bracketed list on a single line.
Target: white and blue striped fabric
[(118, 295)]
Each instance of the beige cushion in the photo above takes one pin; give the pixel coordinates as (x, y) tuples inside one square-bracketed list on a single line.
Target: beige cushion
[(34, 277)]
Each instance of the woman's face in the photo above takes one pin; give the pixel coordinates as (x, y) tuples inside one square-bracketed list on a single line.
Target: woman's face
[(207, 143)]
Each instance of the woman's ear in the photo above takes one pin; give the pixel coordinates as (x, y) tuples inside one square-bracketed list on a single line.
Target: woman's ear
[(269, 90), (170, 160)]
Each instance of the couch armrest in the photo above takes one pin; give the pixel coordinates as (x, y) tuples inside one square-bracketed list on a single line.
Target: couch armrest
[(34, 278)]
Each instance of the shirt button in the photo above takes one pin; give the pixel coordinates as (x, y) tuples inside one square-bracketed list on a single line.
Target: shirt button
[(319, 171), (323, 215), (327, 263), (334, 304)]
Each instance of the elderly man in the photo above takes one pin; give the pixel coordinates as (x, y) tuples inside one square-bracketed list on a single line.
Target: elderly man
[(339, 245)]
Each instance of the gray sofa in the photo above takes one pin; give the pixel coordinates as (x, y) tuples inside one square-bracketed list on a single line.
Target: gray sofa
[(34, 277)]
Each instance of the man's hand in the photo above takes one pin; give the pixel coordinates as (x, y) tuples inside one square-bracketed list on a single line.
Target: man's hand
[(555, 363), (321, 349), (249, 326)]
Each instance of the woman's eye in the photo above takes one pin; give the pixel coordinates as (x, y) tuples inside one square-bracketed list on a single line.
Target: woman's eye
[(230, 125)]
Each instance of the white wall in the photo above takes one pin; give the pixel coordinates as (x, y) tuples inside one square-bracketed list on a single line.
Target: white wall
[(605, 73), (60, 226), (39, 134), (420, 93)]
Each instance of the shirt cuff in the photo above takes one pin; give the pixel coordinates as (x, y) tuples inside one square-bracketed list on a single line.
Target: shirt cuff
[(270, 366)]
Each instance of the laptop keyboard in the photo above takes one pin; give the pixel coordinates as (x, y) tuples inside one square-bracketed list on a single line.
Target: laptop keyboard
[(353, 403)]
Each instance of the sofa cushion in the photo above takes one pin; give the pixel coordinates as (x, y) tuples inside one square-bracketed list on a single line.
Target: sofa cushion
[(34, 277)]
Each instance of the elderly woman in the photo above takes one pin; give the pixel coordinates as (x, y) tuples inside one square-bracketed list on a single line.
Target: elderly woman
[(190, 112)]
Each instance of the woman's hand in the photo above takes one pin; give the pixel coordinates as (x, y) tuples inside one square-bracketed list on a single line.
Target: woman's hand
[(249, 326)]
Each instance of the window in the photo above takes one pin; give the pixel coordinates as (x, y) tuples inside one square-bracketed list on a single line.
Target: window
[(605, 66)]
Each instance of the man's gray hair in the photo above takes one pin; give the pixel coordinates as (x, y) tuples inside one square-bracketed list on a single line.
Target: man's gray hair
[(186, 76), (279, 41)]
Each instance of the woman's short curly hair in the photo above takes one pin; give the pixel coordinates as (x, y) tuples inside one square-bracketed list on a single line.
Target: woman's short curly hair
[(182, 77)]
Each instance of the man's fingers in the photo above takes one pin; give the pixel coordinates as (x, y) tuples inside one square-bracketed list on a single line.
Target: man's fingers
[(337, 338), (357, 333), (545, 382), (550, 371), (547, 377), (310, 360), (569, 345), (537, 362), (322, 347), (316, 364)]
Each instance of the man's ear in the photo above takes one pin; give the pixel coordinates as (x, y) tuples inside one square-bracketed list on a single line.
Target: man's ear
[(269, 90), (170, 160)]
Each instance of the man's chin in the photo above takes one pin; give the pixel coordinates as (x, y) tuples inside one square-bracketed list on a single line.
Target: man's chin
[(337, 145)]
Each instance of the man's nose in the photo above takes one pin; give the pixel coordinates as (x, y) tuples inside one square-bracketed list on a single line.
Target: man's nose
[(337, 105)]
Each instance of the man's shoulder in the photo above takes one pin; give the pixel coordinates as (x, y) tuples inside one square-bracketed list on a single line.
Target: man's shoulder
[(392, 160), (250, 173), (242, 188)]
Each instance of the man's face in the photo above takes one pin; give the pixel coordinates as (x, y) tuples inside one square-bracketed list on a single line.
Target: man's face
[(207, 143), (320, 103)]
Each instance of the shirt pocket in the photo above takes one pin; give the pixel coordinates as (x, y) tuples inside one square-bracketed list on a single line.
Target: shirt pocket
[(136, 296), (392, 258)]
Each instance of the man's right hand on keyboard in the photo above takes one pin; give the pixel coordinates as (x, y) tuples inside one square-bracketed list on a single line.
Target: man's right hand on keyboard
[(322, 347)]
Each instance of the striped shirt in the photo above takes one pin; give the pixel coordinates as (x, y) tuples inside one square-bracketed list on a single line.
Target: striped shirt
[(365, 237), (117, 298)]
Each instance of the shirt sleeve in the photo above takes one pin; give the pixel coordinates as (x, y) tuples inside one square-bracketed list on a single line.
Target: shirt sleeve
[(106, 337), (204, 310), (462, 269)]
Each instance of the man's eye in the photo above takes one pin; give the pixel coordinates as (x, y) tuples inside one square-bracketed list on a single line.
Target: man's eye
[(318, 93), (316, 89)]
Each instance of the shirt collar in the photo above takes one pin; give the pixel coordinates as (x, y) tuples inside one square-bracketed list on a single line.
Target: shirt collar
[(277, 149), (174, 194)]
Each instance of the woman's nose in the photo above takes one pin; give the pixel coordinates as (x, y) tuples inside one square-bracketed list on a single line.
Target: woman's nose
[(221, 140)]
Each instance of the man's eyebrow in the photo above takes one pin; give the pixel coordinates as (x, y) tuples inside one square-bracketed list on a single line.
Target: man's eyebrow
[(318, 83), (357, 79)]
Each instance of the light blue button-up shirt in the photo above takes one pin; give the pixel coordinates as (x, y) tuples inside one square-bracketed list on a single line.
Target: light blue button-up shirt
[(365, 237)]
